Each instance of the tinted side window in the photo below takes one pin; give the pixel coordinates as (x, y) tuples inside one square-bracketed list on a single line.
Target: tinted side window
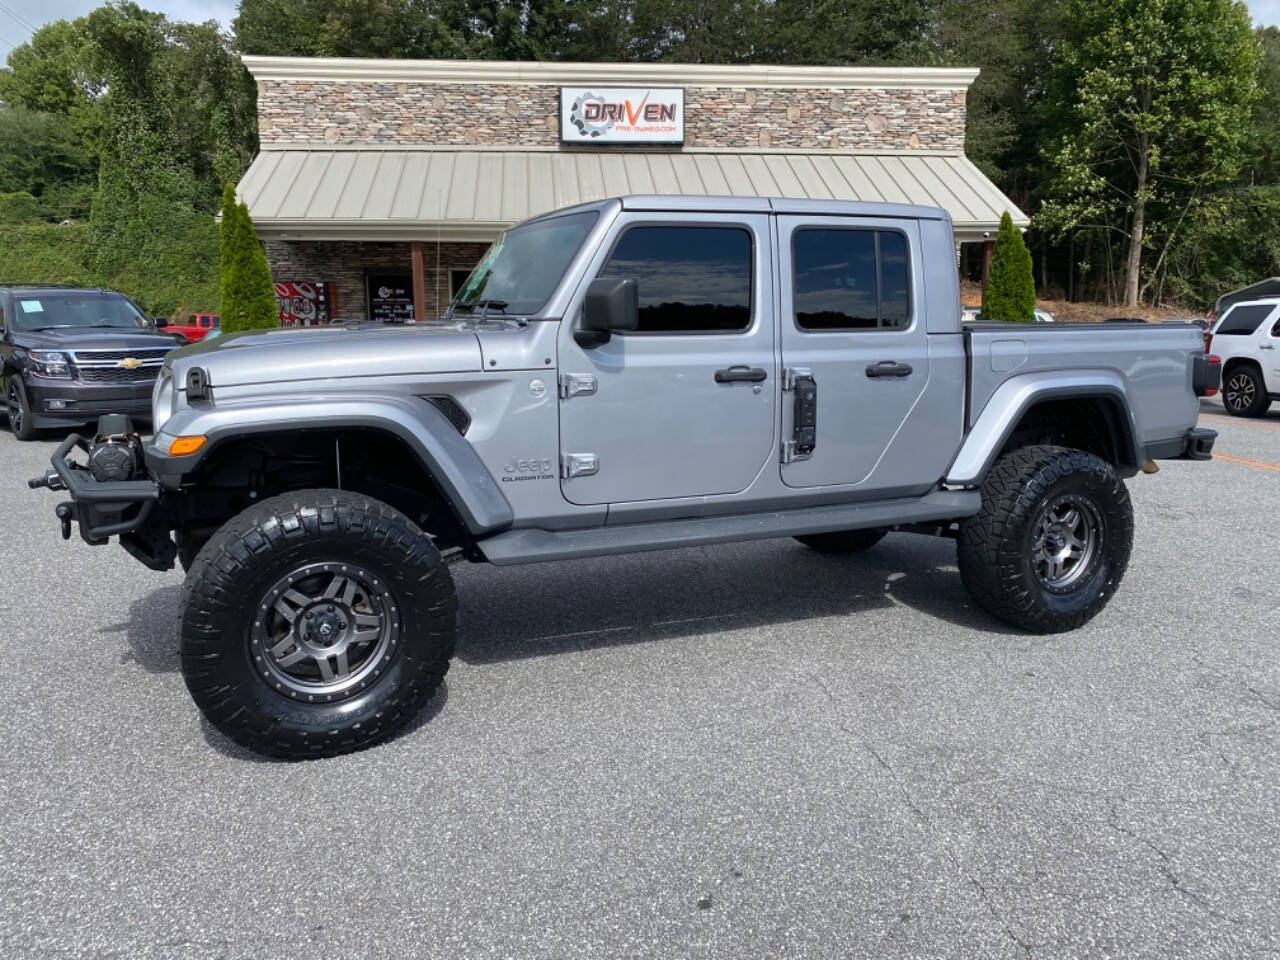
[(1, 314), (1243, 321), (848, 279), (691, 279)]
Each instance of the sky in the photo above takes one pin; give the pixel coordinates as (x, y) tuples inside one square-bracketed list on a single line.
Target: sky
[(18, 16)]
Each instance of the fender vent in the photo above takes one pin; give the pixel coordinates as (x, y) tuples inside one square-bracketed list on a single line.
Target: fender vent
[(452, 411)]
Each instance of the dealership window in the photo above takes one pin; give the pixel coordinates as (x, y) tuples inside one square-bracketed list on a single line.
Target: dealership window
[(849, 279), (691, 279)]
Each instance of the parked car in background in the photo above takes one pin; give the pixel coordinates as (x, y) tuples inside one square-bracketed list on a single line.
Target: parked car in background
[(68, 355), (196, 327), (1246, 338)]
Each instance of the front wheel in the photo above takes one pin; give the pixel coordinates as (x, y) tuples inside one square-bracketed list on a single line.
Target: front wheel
[(316, 623), (19, 410), (1051, 543)]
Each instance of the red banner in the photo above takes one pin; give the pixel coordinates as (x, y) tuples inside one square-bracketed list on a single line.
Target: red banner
[(304, 304)]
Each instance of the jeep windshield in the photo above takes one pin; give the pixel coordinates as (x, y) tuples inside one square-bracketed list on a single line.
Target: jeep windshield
[(518, 273), (77, 310)]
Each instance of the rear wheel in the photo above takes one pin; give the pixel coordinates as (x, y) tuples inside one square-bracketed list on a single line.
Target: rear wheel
[(19, 410), (1051, 543), (316, 623), (843, 541), (1244, 393)]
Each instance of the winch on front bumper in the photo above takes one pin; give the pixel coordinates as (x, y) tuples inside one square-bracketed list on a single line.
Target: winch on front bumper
[(111, 494)]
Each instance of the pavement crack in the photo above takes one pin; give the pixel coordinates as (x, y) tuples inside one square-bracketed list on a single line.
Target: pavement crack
[(1023, 946), (1166, 867)]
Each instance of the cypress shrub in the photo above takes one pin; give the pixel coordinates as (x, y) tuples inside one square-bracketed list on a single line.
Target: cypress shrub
[(248, 297), (1010, 296)]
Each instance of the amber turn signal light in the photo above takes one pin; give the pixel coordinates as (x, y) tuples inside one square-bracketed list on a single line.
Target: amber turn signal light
[(185, 446)]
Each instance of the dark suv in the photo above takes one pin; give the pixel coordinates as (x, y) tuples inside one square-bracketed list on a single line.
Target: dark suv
[(68, 355)]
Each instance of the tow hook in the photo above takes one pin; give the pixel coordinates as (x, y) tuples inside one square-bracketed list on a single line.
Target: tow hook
[(64, 512)]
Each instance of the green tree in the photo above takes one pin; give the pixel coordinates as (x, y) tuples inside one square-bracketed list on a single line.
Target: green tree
[(1010, 296), (50, 72), (42, 155), (846, 31), (1153, 101), (248, 297)]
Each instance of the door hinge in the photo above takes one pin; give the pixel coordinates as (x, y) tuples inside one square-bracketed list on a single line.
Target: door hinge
[(791, 374), (577, 384), (804, 416), (578, 465)]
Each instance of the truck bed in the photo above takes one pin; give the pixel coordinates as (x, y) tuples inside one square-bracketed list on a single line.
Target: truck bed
[(1150, 363)]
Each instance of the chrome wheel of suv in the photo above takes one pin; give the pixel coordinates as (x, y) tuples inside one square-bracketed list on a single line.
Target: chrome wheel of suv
[(324, 631)]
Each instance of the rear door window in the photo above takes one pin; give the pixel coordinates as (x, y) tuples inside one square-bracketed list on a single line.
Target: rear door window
[(1243, 321), (851, 279)]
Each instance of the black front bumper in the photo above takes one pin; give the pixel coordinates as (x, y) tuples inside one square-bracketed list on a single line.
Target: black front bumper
[(57, 403), (101, 509)]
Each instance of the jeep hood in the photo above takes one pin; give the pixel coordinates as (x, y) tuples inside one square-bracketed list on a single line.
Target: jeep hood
[(322, 353)]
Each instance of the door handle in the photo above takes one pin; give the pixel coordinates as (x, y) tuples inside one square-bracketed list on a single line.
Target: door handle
[(1266, 346), (888, 368), (741, 373)]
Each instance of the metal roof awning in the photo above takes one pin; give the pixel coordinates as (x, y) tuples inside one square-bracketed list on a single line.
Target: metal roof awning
[(307, 192)]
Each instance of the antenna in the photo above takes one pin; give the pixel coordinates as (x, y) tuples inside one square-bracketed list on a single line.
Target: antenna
[(439, 213)]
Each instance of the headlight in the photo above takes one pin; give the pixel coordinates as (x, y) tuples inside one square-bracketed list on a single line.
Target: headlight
[(162, 399), (49, 363)]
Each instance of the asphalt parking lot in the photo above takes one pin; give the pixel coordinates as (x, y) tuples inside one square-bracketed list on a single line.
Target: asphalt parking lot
[(741, 751)]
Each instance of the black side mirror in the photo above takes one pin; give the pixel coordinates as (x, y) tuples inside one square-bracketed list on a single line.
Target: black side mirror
[(611, 303), (160, 321)]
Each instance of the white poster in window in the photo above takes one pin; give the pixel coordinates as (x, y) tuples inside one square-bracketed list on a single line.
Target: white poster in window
[(622, 114)]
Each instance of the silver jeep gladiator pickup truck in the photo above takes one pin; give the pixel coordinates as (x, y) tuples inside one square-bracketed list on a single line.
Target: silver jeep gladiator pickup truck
[(636, 374)]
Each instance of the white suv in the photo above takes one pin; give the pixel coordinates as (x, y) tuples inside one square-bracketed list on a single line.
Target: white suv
[(1246, 338)]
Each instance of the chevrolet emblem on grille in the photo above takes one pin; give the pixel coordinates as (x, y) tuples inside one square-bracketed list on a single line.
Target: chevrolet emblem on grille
[(131, 363)]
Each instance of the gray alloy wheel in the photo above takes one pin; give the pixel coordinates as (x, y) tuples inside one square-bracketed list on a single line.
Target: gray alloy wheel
[(324, 631), (1068, 535)]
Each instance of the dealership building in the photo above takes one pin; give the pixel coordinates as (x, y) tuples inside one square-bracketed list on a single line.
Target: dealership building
[(379, 183)]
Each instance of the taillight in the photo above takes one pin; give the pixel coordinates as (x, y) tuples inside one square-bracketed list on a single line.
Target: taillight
[(1214, 380), (1208, 339)]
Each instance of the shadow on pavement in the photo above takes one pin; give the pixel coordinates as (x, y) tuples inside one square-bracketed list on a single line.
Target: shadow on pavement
[(152, 631), (542, 610), (589, 604)]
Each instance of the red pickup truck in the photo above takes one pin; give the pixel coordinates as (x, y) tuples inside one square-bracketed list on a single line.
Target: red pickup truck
[(197, 326)]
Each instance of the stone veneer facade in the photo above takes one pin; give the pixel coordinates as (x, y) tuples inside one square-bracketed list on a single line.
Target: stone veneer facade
[(360, 112)]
